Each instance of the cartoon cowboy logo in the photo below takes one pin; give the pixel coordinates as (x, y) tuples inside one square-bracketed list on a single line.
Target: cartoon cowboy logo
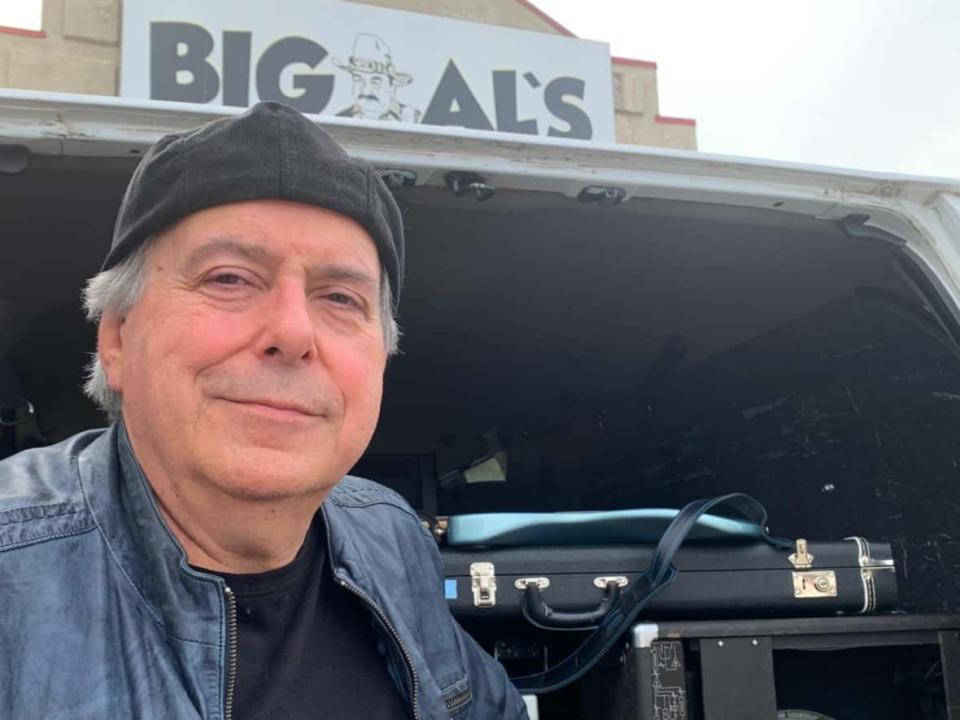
[(375, 82)]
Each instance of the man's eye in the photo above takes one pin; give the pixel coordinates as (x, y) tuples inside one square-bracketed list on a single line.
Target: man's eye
[(344, 299), (226, 278)]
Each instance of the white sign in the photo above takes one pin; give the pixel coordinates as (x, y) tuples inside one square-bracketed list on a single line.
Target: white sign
[(354, 60)]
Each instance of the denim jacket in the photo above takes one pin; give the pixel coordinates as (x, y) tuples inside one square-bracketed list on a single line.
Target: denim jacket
[(101, 617)]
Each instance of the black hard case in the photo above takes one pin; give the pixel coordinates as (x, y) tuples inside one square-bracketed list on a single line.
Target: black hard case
[(715, 580)]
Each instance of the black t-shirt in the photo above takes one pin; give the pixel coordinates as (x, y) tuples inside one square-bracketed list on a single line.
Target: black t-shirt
[(306, 647)]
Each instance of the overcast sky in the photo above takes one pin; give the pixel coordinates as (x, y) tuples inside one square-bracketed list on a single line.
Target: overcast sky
[(871, 84), (21, 14)]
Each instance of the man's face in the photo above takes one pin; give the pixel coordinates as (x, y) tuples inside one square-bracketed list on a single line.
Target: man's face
[(254, 360), (372, 92)]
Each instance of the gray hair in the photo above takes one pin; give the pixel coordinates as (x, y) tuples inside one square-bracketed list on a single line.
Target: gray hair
[(120, 288)]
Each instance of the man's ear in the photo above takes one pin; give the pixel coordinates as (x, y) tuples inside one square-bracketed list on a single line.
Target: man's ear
[(110, 349)]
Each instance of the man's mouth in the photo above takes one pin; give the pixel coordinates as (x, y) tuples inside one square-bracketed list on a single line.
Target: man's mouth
[(279, 408)]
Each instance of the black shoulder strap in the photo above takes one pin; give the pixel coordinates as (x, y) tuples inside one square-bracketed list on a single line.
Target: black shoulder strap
[(659, 574)]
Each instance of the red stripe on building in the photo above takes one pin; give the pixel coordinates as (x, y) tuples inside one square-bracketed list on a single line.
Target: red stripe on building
[(636, 63), (546, 18), (22, 31), (665, 120)]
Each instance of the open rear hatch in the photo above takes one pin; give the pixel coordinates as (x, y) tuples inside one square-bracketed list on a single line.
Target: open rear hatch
[(567, 357)]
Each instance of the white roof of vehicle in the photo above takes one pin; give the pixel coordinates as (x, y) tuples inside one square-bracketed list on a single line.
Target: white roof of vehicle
[(86, 124), (923, 211)]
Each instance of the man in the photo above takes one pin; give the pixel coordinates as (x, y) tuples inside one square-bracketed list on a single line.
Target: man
[(204, 557), (375, 83)]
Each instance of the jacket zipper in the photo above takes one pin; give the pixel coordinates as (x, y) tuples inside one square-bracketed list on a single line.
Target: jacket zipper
[(457, 701), (231, 603), (385, 622)]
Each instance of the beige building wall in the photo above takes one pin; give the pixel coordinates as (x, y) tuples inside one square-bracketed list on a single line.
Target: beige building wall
[(78, 51), (637, 103)]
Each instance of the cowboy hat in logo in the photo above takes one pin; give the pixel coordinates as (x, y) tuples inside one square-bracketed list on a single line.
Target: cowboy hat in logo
[(375, 82)]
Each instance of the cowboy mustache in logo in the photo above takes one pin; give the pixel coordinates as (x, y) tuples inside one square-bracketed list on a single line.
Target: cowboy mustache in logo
[(375, 82)]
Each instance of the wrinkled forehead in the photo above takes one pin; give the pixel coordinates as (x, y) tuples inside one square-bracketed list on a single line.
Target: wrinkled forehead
[(269, 232)]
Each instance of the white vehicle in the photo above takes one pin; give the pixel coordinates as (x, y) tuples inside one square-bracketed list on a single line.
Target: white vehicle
[(600, 327)]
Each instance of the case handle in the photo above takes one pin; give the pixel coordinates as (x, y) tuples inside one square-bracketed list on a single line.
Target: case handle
[(538, 612)]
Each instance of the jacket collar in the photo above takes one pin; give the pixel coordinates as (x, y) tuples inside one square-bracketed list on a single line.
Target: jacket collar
[(188, 604)]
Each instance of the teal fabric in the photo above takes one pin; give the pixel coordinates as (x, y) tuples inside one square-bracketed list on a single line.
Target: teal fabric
[(587, 528)]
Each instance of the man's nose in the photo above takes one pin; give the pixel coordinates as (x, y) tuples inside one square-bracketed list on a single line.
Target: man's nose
[(288, 326)]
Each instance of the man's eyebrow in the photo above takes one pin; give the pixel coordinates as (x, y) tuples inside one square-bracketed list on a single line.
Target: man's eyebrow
[(227, 246), (343, 273), (258, 253)]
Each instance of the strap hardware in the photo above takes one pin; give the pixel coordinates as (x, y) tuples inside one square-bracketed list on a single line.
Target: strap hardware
[(524, 583), (602, 582)]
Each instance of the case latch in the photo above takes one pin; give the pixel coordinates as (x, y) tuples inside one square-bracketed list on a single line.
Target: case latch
[(815, 584), (483, 582), (801, 559), (809, 583)]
